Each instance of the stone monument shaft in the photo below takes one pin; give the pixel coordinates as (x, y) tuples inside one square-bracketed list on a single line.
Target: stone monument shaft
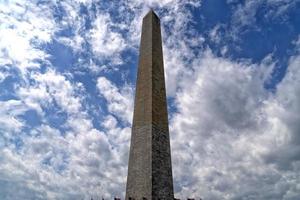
[(150, 167)]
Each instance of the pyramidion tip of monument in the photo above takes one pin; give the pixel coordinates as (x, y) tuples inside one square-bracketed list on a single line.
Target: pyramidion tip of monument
[(151, 12)]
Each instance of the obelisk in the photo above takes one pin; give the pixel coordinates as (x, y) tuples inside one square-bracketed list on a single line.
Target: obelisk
[(150, 167)]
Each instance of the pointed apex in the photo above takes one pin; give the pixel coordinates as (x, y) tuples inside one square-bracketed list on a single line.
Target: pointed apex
[(151, 12)]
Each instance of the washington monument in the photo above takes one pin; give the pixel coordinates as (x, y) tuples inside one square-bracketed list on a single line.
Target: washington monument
[(150, 167)]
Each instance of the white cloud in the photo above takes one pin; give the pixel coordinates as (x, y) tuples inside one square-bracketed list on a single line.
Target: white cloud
[(3, 75), (214, 34), (49, 88), (9, 117), (105, 41), (119, 101), (81, 161), (246, 14), (284, 120), (74, 160), (242, 139), (22, 27)]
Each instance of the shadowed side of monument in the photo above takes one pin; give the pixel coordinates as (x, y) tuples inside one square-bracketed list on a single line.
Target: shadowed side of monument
[(150, 168)]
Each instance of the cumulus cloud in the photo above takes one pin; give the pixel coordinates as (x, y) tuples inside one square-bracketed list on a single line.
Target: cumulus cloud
[(284, 119), (80, 161), (238, 132)]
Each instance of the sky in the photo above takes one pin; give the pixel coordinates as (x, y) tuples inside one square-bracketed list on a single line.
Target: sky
[(67, 84)]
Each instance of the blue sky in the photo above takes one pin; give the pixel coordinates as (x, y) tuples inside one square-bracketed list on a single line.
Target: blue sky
[(67, 81)]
